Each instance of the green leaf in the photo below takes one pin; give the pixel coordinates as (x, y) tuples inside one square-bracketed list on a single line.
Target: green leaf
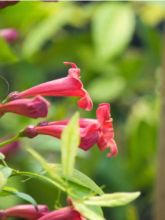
[(24, 196), (46, 29), (3, 180), (69, 145), (79, 178), (2, 156), (59, 182), (87, 211), (37, 176), (6, 54), (105, 89), (113, 27), (113, 199), (5, 172)]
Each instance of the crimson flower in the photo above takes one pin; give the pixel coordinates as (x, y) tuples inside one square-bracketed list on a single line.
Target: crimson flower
[(92, 131), (4, 4), (66, 86), (9, 34), (28, 212), (33, 108), (67, 213)]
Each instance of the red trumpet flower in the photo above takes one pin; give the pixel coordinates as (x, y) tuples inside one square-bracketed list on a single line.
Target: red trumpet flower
[(92, 131), (33, 108), (28, 212), (67, 86), (67, 213)]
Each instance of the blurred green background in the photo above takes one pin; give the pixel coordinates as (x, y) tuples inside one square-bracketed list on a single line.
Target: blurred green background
[(118, 48)]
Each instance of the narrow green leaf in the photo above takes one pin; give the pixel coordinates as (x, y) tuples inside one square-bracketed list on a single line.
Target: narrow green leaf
[(69, 145), (46, 166), (113, 199), (38, 176), (79, 178), (113, 26), (87, 212), (24, 196)]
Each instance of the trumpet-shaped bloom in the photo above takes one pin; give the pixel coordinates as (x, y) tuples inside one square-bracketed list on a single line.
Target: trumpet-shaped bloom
[(66, 86), (4, 4), (28, 212), (67, 213), (92, 131), (33, 108), (9, 34)]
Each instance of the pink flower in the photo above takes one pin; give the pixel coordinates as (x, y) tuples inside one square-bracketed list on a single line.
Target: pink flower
[(67, 213), (92, 131), (4, 4), (67, 86), (33, 108), (28, 212), (9, 34)]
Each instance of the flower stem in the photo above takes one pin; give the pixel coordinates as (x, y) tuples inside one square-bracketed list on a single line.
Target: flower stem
[(9, 141)]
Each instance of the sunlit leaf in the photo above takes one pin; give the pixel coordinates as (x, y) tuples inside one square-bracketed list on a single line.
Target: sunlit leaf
[(38, 176), (113, 199), (77, 182), (87, 212), (47, 167), (113, 27), (69, 145), (79, 178)]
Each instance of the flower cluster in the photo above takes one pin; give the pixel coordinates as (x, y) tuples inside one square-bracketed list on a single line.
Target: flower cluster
[(92, 131), (41, 212), (30, 103)]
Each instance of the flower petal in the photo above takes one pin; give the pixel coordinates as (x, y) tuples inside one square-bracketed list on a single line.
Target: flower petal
[(103, 112)]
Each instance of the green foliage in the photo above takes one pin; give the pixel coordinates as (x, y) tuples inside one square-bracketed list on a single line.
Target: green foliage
[(69, 145), (114, 87), (87, 212), (5, 172), (79, 178), (46, 29), (113, 27), (113, 199), (12, 191), (2, 156)]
